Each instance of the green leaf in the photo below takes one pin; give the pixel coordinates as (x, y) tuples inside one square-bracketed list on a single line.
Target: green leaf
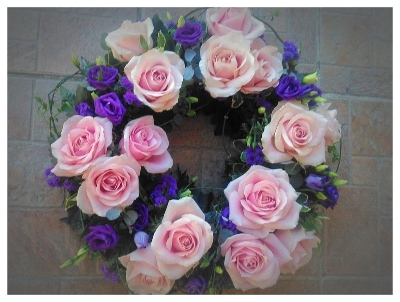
[(302, 198), (103, 43), (305, 209), (293, 168), (81, 94), (191, 112), (78, 258), (64, 93), (161, 41), (71, 201), (144, 43)]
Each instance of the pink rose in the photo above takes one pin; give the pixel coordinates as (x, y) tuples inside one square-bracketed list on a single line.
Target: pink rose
[(295, 131), (333, 134), (182, 238), (156, 77), (142, 274), (262, 200), (269, 68), (147, 144), (83, 141), (252, 262), (300, 244), (125, 41), (221, 21), (226, 64), (112, 183)]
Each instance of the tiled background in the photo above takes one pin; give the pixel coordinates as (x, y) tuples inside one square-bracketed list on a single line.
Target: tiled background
[(352, 50)]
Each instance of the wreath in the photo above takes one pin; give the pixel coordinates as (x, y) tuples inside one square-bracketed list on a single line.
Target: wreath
[(135, 209)]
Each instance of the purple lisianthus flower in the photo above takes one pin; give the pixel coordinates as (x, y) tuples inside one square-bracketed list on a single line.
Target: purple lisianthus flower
[(316, 182), (310, 88), (196, 285), (109, 106), (333, 195), (84, 109), (102, 237), (290, 52), (102, 77), (189, 34), (254, 156), (225, 222), (289, 88), (143, 216)]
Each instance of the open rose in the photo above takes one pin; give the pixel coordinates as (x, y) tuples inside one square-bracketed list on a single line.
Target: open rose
[(295, 131), (125, 41), (300, 244), (147, 144), (182, 238), (262, 200), (221, 21), (252, 262), (226, 64), (142, 274), (83, 141), (333, 134), (156, 77), (269, 67), (112, 183)]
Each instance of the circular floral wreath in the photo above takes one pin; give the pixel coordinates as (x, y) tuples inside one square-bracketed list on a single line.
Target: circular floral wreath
[(137, 211)]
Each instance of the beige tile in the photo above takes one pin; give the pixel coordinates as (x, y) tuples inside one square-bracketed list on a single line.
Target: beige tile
[(26, 180), (119, 13), (19, 106), (22, 23), (379, 82), (386, 245), (346, 40), (91, 287), (282, 287), (364, 171), (371, 128), (385, 186), (21, 56), (175, 12), (30, 286), (366, 11), (350, 235), (350, 286), (383, 24), (383, 54), (266, 14), (332, 79)]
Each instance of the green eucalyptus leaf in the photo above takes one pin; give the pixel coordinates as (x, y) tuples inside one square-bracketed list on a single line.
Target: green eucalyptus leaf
[(296, 181), (302, 198), (292, 168)]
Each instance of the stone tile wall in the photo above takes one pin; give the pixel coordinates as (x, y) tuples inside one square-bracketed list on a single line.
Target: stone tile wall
[(352, 50)]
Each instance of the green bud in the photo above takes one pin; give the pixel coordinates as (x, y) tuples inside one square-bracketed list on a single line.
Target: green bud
[(94, 95), (321, 168), (100, 61), (194, 179), (218, 270), (310, 78), (192, 99), (75, 60), (181, 22), (169, 17), (332, 174), (186, 193), (312, 93), (261, 110), (321, 196), (319, 99), (339, 182)]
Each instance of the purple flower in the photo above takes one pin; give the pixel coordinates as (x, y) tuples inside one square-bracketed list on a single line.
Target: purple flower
[(310, 88), (52, 180), (68, 185), (102, 237), (102, 77), (141, 240), (225, 222), (170, 24), (124, 82), (254, 156), (131, 98), (333, 195), (316, 182), (109, 106), (109, 276), (143, 216), (289, 88), (189, 34), (290, 52), (196, 285), (84, 109), (264, 103), (165, 190)]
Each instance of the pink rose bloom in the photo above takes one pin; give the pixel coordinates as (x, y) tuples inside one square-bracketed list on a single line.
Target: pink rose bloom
[(83, 141), (182, 238), (262, 200), (142, 274), (269, 68), (147, 144), (333, 134), (112, 183), (156, 77), (252, 262), (226, 64), (221, 21), (295, 131), (125, 41), (300, 244)]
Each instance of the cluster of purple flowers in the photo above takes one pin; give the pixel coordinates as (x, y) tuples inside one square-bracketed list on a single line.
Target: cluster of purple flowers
[(129, 97), (108, 275), (166, 189), (225, 222), (290, 52), (321, 183), (254, 156), (56, 182)]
